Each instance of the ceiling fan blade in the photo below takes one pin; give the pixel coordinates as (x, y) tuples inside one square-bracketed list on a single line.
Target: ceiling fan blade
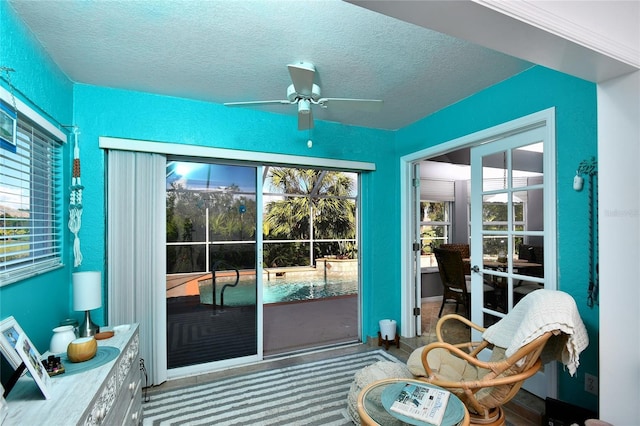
[(256, 103), (305, 120), (302, 76), (370, 105)]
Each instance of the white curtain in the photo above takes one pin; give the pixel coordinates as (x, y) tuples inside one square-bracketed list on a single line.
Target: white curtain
[(136, 262)]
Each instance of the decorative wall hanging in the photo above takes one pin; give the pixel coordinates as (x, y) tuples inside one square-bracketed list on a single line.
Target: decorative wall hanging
[(589, 169), (75, 201)]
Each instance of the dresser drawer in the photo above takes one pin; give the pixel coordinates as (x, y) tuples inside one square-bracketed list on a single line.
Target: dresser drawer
[(130, 393), (133, 417)]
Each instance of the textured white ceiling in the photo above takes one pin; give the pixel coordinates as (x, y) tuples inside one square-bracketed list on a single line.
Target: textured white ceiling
[(225, 51)]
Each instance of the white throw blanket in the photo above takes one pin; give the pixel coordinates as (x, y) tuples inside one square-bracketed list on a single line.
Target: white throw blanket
[(541, 311)]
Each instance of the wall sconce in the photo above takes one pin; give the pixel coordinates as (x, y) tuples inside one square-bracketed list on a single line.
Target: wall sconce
[(87, 295), (578, 182)]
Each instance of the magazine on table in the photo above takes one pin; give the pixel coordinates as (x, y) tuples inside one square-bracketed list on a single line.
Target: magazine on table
[(420, 402)]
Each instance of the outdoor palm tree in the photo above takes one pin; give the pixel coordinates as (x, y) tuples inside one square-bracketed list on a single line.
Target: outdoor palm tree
[(315, 203)]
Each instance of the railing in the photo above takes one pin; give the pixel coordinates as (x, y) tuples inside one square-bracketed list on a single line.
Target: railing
[(214, 268)]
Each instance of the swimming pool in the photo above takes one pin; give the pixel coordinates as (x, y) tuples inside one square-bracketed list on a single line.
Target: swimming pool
[(279, 290)]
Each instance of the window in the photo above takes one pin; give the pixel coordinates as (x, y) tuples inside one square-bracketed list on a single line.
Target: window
[(30, 204), (435, 228)]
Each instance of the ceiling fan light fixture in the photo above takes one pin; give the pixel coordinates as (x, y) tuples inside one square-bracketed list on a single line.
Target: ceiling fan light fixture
[(291, 93), (304, 106), (315, 92)]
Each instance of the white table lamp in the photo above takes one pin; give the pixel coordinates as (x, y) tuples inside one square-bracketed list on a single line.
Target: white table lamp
[(87, 295)]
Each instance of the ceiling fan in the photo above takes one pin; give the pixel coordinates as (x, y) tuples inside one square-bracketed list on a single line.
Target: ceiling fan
[(304, 94)]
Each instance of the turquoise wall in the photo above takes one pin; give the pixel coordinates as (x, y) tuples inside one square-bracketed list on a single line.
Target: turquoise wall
[(142, 116), (38, 304), (576, 139)]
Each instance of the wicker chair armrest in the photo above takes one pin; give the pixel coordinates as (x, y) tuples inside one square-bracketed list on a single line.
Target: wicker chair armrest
[(485, 382), (452, 349), (457, 317)]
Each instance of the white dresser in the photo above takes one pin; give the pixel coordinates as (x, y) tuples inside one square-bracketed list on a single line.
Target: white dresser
[(109, 394)]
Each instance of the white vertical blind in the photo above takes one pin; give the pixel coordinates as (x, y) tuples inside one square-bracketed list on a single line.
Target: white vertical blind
[(136, 260)]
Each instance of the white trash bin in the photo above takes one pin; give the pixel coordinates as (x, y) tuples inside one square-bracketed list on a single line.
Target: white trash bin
[(388, 329)]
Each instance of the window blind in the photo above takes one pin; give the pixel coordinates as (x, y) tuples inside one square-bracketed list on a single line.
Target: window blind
[(30, 204), (496, 184), (437, 190)]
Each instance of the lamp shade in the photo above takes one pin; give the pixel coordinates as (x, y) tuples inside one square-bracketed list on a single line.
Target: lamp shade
[(87, 290)]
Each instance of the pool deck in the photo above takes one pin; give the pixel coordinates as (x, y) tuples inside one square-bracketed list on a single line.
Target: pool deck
[(196, 336), (287, 326)]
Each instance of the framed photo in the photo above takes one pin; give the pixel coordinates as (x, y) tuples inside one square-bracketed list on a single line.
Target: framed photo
[(10, 331), (31, 358), (17, 349), (8, 128)]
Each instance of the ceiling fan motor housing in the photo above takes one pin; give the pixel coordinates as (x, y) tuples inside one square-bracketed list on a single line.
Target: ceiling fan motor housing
[(294, 96)]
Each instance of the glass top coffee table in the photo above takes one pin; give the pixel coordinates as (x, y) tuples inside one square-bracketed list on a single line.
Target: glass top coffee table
[(372, 411)]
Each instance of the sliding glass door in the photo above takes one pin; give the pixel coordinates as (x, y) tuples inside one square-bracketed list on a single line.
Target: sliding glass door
[(211, 285), (311, 271), (221, 303)]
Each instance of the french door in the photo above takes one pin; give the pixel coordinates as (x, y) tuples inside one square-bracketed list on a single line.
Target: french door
[(512, 225), (416, 247)]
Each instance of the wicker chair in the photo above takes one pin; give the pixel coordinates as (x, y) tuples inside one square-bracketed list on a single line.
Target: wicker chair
[(545, 326), (464, 250), (533, 254), (454, 283)]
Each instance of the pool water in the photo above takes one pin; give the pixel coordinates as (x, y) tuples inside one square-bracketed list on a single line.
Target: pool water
[(279, 290)]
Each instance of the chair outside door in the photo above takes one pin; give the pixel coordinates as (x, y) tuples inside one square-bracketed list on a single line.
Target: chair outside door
[(455, 289)]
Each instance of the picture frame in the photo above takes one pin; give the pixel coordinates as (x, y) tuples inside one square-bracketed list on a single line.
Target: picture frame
[(32, 359), (8, 128), (18, 350), (10, 331)]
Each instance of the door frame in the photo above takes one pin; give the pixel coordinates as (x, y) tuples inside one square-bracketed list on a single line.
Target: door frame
[(408, 292)]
